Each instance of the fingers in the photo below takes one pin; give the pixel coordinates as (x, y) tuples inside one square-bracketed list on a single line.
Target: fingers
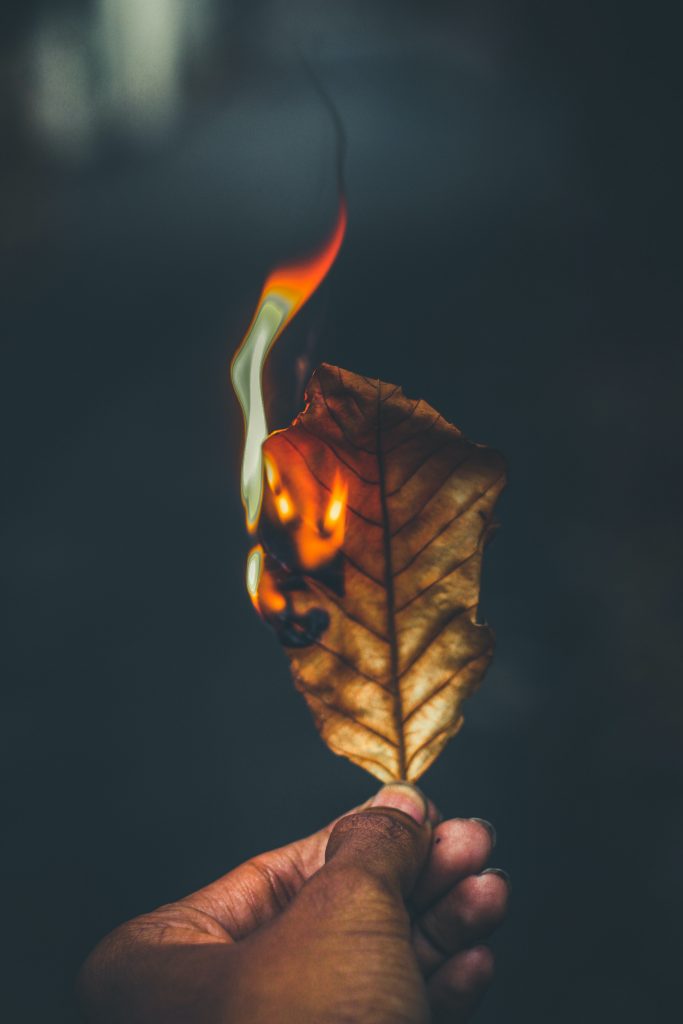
[(470, 912), (260, 889), (457, 988), (389, 840), (460, 847)]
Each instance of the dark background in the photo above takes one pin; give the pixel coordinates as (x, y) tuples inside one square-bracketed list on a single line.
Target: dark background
[(513, 256)]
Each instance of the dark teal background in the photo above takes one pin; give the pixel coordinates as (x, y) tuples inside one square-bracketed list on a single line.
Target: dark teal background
[(513, 256)]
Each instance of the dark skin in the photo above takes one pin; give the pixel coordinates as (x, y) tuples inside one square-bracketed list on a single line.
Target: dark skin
[(377, 919)]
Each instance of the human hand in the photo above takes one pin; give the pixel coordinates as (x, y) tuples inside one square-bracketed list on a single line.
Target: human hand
[(376, 919)]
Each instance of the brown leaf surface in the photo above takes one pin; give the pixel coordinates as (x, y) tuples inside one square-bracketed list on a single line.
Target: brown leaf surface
[(398, 648)]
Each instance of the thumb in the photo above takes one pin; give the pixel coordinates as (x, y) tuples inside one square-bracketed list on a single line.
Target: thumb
[(389, 840)]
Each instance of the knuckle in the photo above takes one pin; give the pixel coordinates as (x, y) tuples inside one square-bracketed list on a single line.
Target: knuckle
[(469, 915), (468, 975), (104, 964), (438, 935), (271, 884), (479, 969), (350, 881)]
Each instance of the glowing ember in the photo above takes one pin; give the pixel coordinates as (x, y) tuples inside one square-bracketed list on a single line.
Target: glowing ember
[(284, 293)]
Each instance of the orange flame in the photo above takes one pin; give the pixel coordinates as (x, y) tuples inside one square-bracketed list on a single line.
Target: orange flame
[(281, 498), (316, 533), (297, 281), (285, 291), (316, 528)]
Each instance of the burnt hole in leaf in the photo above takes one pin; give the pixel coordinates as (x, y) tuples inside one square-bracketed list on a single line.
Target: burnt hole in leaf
[(331, 575), (294, 630), (291, 582), (278, 543), (282, 558)]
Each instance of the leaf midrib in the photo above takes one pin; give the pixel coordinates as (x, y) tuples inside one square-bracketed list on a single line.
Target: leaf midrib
[(390, 596)]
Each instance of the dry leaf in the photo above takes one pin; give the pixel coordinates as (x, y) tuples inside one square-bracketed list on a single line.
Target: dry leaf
[(383, 641)]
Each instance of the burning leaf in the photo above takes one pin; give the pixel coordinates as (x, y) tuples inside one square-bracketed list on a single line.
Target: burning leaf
[(373, 524)]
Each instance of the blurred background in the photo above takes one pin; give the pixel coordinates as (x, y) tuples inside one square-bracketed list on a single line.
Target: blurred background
[(513, 256)]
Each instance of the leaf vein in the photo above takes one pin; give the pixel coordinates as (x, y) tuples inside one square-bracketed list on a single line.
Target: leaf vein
[(326, 487), (328, 444), (404, 419), (432, 639), (364, 572), (461, 512), (351, 392), (397, 387), (423, 506), (341, 426), (445, 684), (411, 437), (420, 465), (440, 579), (345, 612), (336, 709), (446, 731), (347, 661)]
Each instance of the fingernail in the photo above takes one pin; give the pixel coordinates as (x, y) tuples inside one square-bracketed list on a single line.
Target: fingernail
[(501, 874), (489, 828), (403, 797)]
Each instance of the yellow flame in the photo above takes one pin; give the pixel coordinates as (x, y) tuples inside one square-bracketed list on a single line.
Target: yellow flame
[(262, 589), (316, 524), (282, 500), (254, 570), (285, 509), (285, 291), (336, 508)]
